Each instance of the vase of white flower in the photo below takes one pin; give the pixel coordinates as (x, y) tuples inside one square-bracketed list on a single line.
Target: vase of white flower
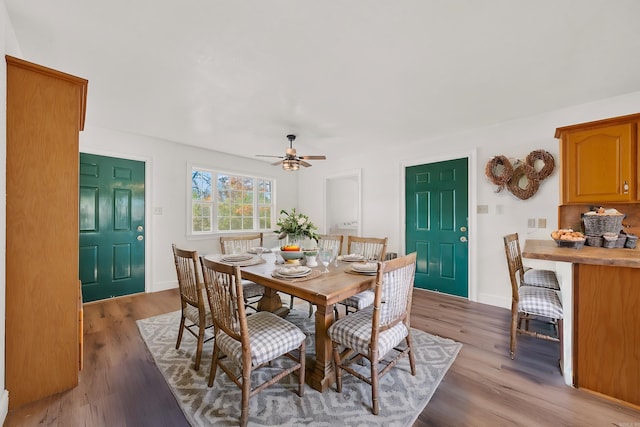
[(296, 227)]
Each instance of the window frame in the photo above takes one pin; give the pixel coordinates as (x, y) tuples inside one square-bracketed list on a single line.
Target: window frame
[(216, 172)]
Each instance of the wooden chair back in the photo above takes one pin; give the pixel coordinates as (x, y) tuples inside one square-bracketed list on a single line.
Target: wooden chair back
[(189, 277), (372, 248), (240, 243), (514, 262), (225, 295), (394, 288), (331, 241)]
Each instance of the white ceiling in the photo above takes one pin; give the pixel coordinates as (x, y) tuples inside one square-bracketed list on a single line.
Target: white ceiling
[(237, 76)]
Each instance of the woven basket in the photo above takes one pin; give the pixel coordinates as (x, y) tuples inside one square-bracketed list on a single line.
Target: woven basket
[(597, 225), (594, 241), (573, 244)]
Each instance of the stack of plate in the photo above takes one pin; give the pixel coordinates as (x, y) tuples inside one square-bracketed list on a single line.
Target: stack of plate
[(255, 250), (352, 258), (292, 272), (236, 257), (368, 268)]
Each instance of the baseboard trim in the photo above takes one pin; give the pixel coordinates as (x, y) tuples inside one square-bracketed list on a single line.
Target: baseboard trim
[(4, 406)]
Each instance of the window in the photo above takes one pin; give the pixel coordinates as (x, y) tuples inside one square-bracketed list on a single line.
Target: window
[(226, 202)]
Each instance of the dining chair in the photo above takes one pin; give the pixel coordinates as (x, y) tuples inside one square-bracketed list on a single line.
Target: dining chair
[(372, 249), (244, 243), (377, 331), (530, 276), (240, 243), (331, 241), (530, 302), (248, 342), (194, 307)]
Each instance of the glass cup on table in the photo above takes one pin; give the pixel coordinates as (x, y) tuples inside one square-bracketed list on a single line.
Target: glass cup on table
[(326, 255), (259, 251)]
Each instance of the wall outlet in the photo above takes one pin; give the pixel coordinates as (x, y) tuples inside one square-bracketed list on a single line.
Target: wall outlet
[(531, 223), (542, 222)]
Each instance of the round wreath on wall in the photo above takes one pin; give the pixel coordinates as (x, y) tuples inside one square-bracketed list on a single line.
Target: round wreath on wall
[(499, 171), (523, 180)]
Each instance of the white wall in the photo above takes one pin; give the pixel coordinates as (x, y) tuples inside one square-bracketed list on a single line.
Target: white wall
[(167, 189), (383, 196)]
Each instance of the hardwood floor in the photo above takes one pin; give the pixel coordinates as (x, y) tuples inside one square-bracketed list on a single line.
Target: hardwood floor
[(120, 385)]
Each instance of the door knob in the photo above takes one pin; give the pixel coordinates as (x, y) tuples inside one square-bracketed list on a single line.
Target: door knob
[(463, 228), (463, 239), (140, 237)]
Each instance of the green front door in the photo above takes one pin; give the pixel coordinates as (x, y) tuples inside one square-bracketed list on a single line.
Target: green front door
[(112, 227), (436, 225)]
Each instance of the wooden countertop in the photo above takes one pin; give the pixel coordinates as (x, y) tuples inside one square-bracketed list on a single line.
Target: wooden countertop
[(548, 250)]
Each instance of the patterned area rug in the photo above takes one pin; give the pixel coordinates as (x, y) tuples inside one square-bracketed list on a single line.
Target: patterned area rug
[(402, 396)]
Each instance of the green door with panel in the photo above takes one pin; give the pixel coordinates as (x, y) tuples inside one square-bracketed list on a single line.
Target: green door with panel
[(436, 225), (112, 229)]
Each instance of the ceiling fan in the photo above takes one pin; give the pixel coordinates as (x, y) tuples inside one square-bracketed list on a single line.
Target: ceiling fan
[(291, 161)]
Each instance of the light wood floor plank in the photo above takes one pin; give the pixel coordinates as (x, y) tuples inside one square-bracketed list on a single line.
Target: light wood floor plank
[(120, 385)]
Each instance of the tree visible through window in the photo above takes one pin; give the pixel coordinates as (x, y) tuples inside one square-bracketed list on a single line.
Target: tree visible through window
[(239, 203)]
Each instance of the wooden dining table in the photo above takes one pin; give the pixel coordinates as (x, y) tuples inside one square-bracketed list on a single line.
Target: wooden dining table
[(324, 291)]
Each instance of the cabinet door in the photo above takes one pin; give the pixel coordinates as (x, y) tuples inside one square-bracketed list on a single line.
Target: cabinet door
[(599, 165)]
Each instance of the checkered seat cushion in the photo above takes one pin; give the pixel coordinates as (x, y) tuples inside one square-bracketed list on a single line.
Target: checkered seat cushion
[(541, 278), (539, 302), (360, 301), (191, 312), (354, 331), (270, 336), (251, 289)]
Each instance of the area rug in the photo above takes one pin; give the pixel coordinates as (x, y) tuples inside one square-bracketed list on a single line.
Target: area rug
[(402, 396)]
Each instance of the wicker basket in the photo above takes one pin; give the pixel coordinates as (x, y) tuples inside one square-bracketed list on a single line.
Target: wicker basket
[(594, 241), (597, 225), (573, 244), (630, 243)]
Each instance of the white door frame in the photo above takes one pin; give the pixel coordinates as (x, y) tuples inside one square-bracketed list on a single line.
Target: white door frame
[(472, 187)]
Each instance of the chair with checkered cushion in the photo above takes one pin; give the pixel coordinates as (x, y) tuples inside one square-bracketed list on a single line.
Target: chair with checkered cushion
[(381, 332), (244, 243), (373, 249), (193, 298), (530, 276), (529, 301), (248, 342)]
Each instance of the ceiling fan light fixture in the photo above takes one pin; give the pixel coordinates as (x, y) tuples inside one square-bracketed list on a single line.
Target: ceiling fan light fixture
[(290, 165)]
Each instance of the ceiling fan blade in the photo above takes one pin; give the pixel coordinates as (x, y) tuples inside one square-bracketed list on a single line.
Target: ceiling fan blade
[(313, 157), (267, 155), (277, 163), (305, 164)]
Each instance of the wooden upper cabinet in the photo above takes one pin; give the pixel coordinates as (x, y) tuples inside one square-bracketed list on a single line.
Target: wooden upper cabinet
[(599, 161)]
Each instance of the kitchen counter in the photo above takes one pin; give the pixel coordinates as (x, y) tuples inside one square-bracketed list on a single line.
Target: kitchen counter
[(600, 291), (549, 250)]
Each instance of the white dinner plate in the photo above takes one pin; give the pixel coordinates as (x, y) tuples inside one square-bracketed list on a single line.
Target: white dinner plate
[(352, 258), (254, 251), (298, 271), (236, 258), (367, 267)]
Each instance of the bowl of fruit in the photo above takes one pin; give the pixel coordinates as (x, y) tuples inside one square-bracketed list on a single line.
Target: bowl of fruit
[(291, 253)]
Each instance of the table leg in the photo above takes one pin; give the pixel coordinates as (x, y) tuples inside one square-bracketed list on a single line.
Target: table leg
[(320, 374), (271, 301)]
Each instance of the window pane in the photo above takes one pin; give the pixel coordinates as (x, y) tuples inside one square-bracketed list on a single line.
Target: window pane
[(241, 202)]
